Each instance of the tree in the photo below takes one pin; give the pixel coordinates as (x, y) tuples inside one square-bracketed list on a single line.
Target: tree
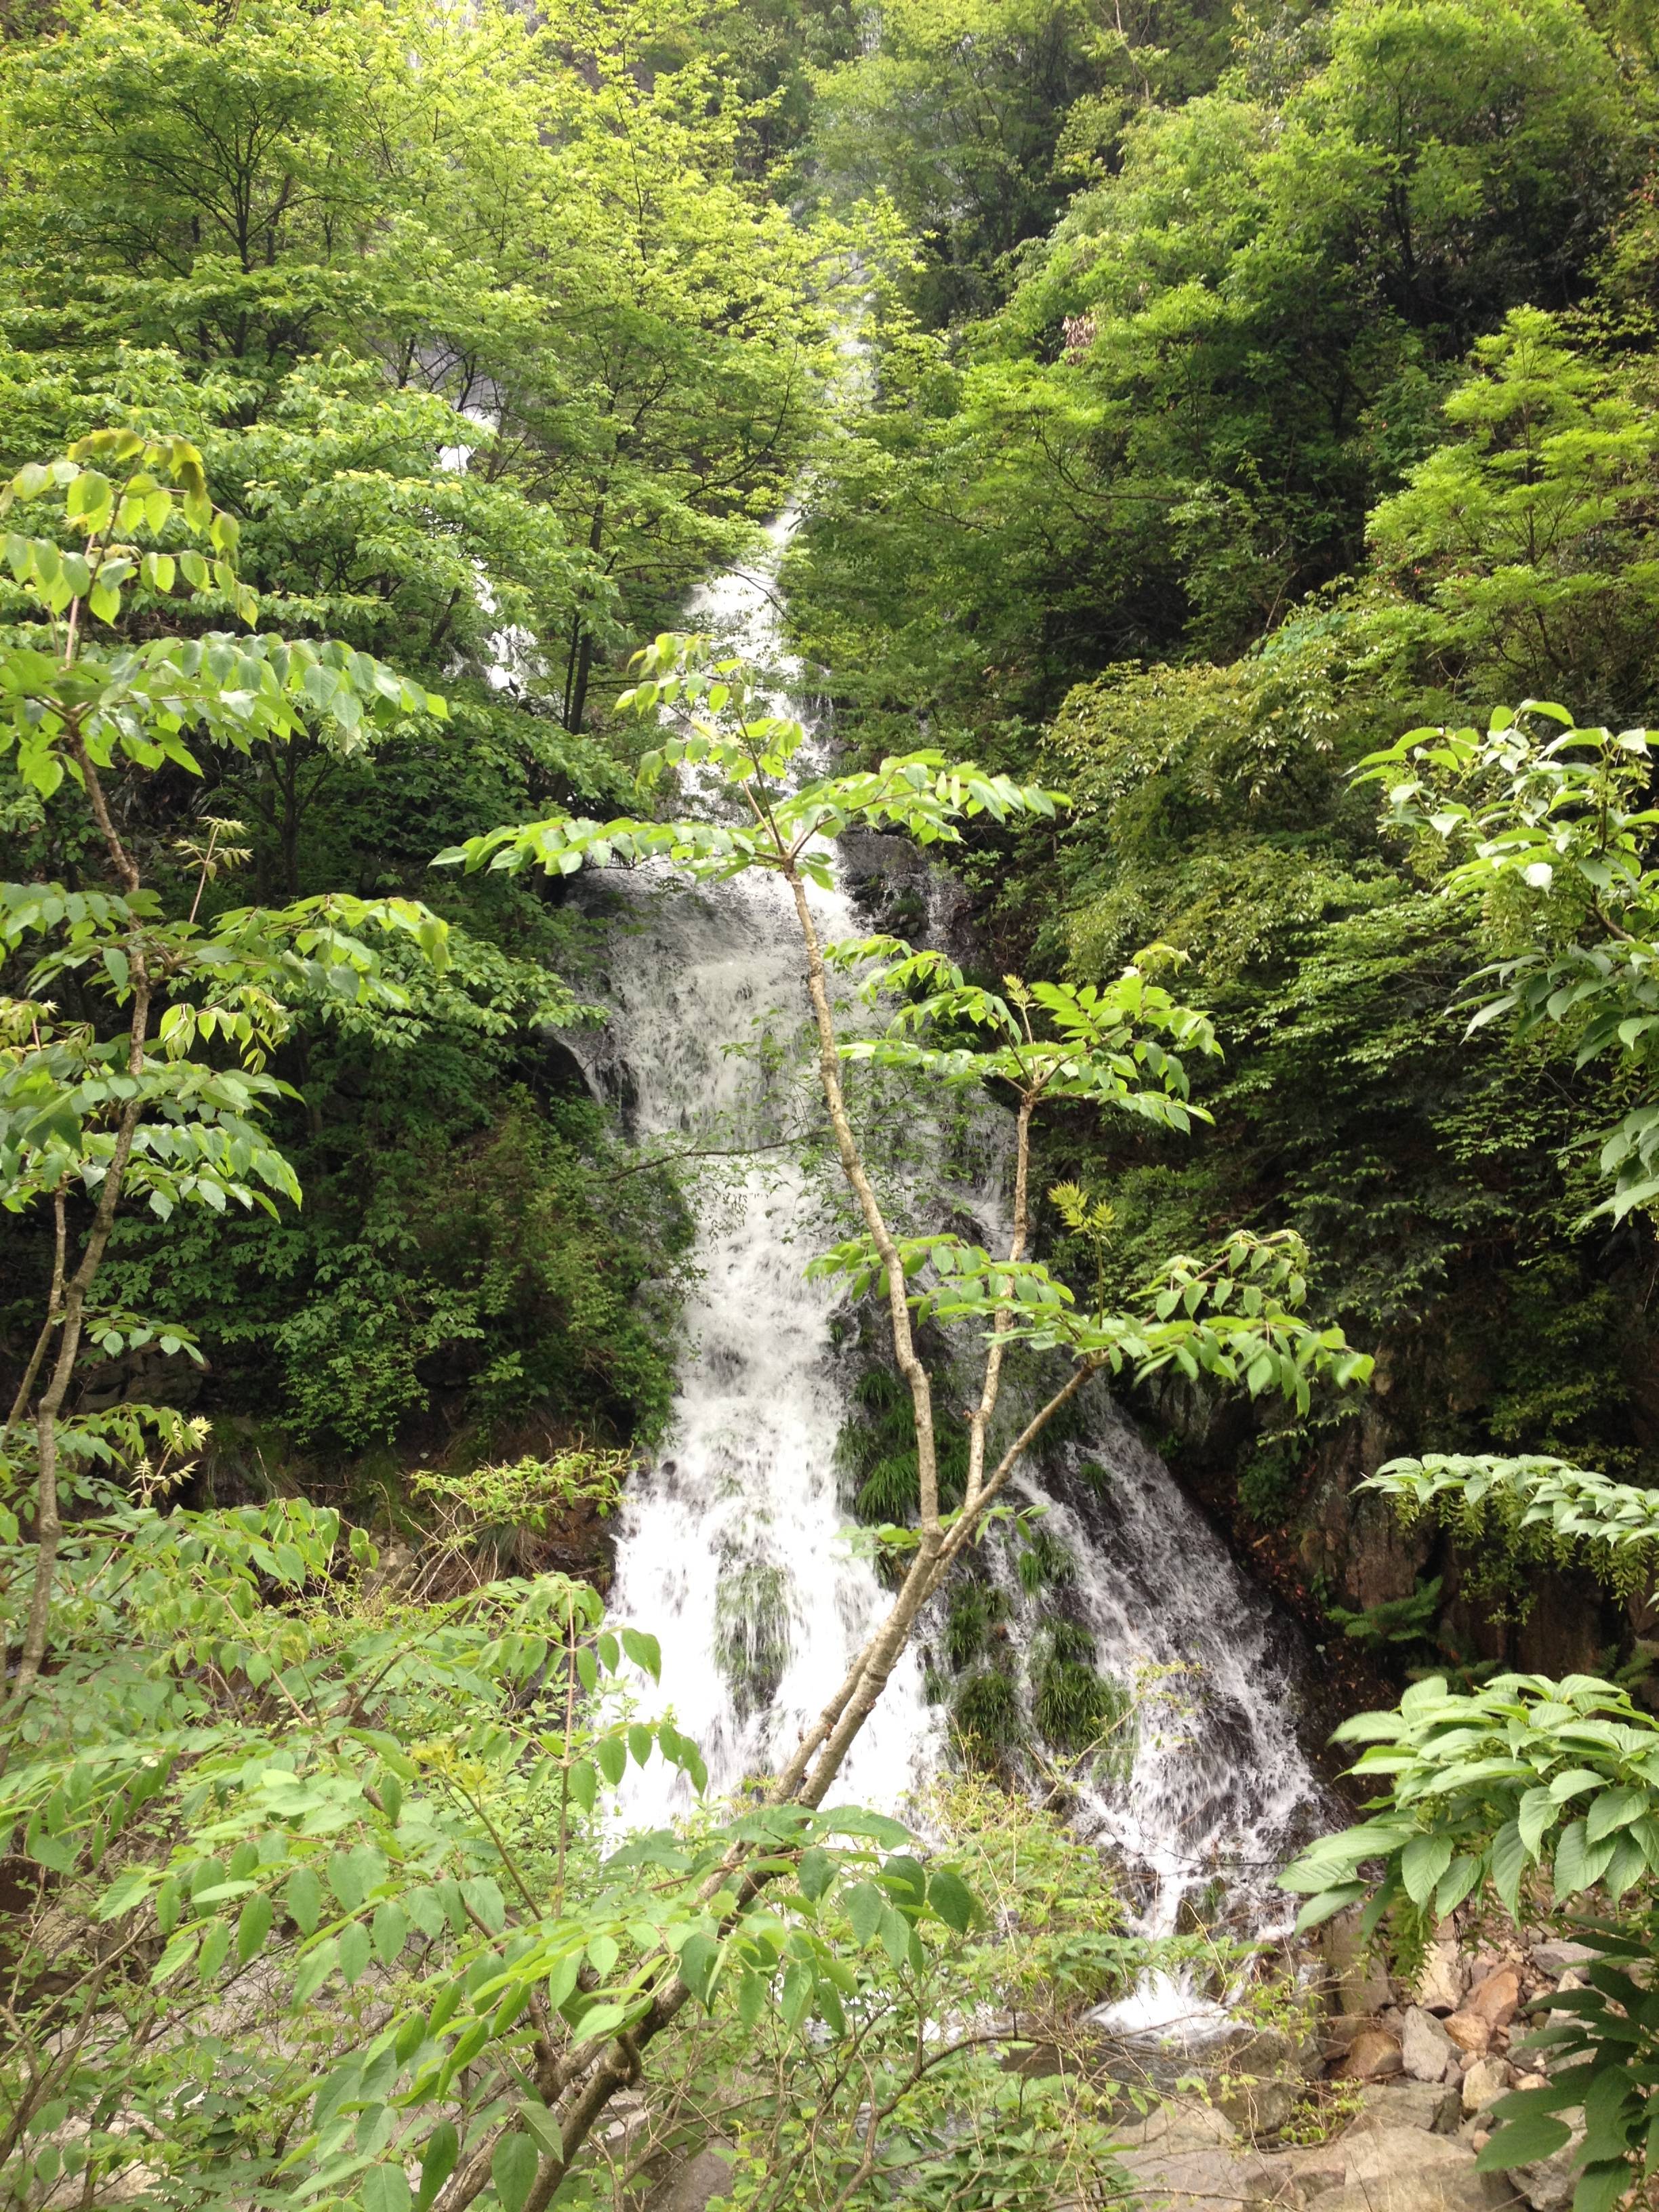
[(132, 1112), (1521, 553), (1553, 835), (1223, 352)]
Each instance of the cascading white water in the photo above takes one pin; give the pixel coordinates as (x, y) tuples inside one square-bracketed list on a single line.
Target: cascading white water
[(732, 1548)]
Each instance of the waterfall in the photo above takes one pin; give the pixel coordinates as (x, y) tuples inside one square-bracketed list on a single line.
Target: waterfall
[(732, 1547)]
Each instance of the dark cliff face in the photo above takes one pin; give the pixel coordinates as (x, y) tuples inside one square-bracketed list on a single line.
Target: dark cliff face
[(1430, 1602)]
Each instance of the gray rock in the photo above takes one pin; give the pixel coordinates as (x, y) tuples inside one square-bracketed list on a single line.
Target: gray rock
[(1485, 2083), (1362, 1985), (1181, 2124), (1405, 2170), (1259, 2107), (1444, 1978), (1448, 2190), (1548, 2183), (1430, 2106), (1261, 2051), (1556, 1958), (1292, 2179), (1425, 2046)]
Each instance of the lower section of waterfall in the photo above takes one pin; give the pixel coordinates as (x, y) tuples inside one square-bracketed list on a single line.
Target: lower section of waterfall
[(732, 1547)]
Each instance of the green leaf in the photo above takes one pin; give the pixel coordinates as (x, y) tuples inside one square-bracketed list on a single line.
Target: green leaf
[(603, 1953), (1422, 1862), (386, 2189), (865, 1906), (305, 1899), (1538, 1813), (354, 1952), (253, 1925), (177, 1956), (390, 1932), (1614, 1809), (644, 1650), (815, 1873), (612, 1754), (1510, 1862), (1455, 1883), (513, 2169), (443, 2148), (485, 1896), (950, 1898), (1518, 2142)]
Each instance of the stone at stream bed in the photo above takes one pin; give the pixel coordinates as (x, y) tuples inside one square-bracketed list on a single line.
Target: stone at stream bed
[(690, 2187), (1486, 2081), (1373, 2053), (1469, 2032), (1444, 1978), (1552, 1959), (1548, 2183), (1260, 2107), (1430, 2106), (1425, 2046), (1377, 2168), (1496, 1999)]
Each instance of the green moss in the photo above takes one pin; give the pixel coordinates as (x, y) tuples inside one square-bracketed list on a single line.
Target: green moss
[(972, 1610), (986, 1717)]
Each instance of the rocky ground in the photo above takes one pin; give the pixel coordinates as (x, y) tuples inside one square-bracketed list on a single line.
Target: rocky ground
[(1426, 2062)]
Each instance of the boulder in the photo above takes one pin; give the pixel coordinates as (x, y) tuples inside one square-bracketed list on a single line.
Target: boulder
[(1373, 2054), (1425, 2046), (1259, 2106), (690, 2187), (1361, 1984), (1181, 2126), (1185, 2154), (1485, 2083), (1444, 1978), (1472, 2034), (1547, 2184), (1290, 2180), (1429, 2105), (1404, 2170), (1496, 1999)]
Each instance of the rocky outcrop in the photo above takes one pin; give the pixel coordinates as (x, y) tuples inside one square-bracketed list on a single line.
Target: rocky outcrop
[(1397, 2156)]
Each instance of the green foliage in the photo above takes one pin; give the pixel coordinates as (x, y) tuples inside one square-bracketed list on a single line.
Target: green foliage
[(1074, 1708), (1484, 1794), (973, 1610), (1397, 1620), (985, 1716), (1535, 1509), (876, 1449), (249, 1779), (1229, 347), (1558, 838)]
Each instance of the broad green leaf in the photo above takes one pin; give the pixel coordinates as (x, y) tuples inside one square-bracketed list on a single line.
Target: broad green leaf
[(1422, 1862), (513, 2168)]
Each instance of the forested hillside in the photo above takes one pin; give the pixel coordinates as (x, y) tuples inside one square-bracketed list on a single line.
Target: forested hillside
[(1215, 455)]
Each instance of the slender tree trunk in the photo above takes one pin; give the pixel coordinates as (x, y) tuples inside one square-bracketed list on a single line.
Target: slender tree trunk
[(48, 1527), (819, 1758)]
